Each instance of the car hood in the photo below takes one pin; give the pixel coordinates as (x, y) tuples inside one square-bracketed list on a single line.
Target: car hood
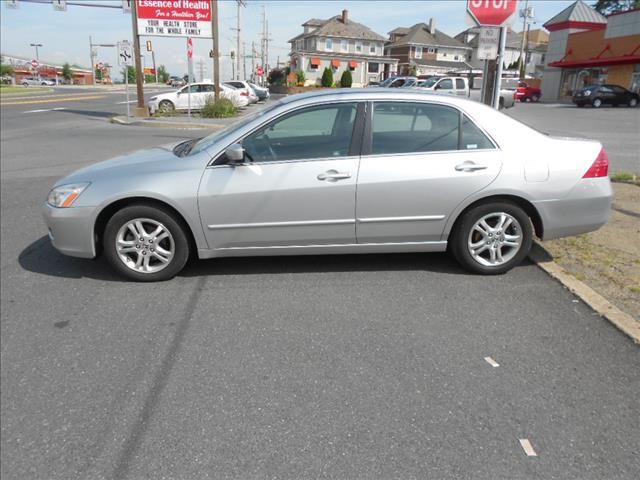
[(152, 159)]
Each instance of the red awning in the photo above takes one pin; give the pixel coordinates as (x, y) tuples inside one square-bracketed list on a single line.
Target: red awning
[(315, 61), (335, 63), (353, 64), (597, 62)]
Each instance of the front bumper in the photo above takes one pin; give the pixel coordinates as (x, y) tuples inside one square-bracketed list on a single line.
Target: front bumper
[(71, 230), (586, 208), (153, 106)]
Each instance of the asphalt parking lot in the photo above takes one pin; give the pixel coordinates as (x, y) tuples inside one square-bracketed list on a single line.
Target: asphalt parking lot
[(369, 366)]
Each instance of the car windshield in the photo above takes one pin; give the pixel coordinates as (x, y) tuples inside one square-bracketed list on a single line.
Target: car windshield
[(209, 140), (387, 82), (429, 82)]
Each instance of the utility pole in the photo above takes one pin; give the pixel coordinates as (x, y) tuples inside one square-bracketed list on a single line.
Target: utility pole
[(239, 4), (262, 43), (525, 13), (244, 61), (140, 109), (253, 60), (216, 50)]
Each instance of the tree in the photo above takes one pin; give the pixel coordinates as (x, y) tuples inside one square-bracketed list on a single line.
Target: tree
[(301, 77), (67, 74), (99, 74), (276, 76), (6, 70), (131, 73), (327, 77), (163, 75), (413, 71), (346, 80), (607, 7)]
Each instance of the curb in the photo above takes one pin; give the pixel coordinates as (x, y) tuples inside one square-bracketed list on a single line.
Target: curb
[(621, 320), (152, 123)]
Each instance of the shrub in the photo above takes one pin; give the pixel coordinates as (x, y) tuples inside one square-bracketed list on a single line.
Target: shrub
[(346, 79), (327, 77), (220, 109), (277, 76), (301, 77)]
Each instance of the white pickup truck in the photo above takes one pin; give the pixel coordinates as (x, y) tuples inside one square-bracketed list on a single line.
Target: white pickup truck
[(449, 85)]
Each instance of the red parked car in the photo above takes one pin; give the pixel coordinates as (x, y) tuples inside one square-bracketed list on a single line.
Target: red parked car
[(525, 93)]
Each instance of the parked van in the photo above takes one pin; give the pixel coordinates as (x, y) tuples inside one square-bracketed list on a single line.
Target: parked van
[(449, 85)]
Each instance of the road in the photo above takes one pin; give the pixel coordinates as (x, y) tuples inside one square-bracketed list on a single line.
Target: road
[(366, 366)]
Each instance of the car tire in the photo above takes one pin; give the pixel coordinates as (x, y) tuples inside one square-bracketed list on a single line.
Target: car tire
[(170, 243), (528, 99), (597, 103), (535, 98), (498, 256), (633, 102), (166, 106)]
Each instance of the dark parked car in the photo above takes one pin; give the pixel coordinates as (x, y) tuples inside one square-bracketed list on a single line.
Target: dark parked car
[(598, 95)]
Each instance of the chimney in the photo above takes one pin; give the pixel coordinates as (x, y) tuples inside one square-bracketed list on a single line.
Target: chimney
[(432, 26), (345, 16)]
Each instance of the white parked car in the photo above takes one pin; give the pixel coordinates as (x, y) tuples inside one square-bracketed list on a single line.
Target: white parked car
[(449, 85), (179, 99), (245, 89), (29, 81)]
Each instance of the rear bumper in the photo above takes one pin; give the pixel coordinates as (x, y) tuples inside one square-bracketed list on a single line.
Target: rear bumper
[(586, 208), (71, 230)]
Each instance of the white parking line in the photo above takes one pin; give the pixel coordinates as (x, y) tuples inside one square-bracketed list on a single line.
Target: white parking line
[(45, 110), (491, 362), (527, 447)]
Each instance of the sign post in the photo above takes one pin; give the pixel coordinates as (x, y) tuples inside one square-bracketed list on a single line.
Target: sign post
[(189, 74), (125, 57), (493, 13)]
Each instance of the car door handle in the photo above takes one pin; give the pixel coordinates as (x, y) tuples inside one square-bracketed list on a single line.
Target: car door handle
[(333, 176), (469, 167)]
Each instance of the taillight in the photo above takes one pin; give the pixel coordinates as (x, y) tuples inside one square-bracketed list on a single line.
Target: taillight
[(600, 167), (244, 93)]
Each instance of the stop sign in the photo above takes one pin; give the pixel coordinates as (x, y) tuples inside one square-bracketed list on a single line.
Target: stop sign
[(35, 63), (259, 71), (491, 12)]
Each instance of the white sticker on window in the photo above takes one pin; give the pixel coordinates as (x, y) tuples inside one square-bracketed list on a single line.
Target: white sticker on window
[(472, 146)]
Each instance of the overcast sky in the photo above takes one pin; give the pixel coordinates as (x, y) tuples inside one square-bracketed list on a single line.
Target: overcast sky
[(65, 35)]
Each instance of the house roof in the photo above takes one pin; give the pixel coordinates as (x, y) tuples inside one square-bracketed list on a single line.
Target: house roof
[(335, 27), (577, 12), (419, 34), (400, 30)]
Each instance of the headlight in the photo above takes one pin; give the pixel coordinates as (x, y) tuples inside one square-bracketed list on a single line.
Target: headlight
[(64, 195), (587, 93)]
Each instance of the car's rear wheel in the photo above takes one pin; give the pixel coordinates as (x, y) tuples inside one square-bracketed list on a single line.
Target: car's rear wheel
[(580, 105), (633, 102), (492, 238), (166, 106), (597, 103), (535, 98), (146, 243)]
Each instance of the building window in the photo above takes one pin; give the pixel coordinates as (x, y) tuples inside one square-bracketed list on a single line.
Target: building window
[(372, 48), (358, 47), (373, 68), (418, 52), (328, 44), (456, 57), (344, 45), (431, 50), (444, 54)]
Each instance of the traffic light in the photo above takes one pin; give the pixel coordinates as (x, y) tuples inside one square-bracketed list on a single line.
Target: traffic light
[(210, 53), (149, 47)]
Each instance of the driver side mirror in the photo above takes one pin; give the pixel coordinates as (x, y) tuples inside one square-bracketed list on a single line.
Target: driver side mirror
[(234, 154), (437, 87)]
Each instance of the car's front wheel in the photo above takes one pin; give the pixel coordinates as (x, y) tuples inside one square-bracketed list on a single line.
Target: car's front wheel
[(633, 102), (146, 243), (166, 106), (492, 238), (597, 103), (535, 98)]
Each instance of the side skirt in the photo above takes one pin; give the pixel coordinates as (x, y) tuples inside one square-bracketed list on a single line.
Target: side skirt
[(324, 249)]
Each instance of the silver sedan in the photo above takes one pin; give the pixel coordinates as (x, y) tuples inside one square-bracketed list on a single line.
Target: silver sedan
[(334, 172)]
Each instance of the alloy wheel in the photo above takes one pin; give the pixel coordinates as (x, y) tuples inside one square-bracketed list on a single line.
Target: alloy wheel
[(145, 245), (495, 239)]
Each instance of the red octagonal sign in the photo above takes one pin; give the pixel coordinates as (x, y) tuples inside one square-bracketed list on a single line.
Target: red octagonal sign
[(491, 12)]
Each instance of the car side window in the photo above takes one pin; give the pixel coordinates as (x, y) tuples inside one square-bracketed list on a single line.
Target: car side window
[(472, 136), (207, 88), (446, 84), (459, 84), (400, 127), (314, 132)]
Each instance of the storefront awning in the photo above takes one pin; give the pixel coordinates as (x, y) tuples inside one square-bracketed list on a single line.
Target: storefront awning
[(597, 62), (315, 61), (335, 63), (353, 64)]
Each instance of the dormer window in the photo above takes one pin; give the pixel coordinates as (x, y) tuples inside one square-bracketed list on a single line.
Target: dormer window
[(358, 47), (328, 44), (372, 48), (344, 46)]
